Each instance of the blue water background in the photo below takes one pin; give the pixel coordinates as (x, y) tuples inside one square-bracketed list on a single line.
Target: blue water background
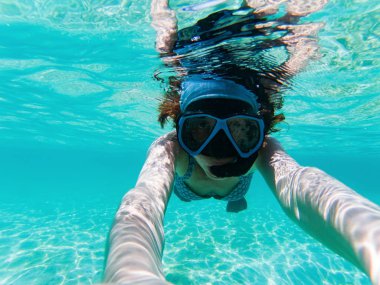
[(78, 113)]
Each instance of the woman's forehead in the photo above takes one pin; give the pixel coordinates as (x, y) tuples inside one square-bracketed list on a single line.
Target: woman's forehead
[(220, 107)]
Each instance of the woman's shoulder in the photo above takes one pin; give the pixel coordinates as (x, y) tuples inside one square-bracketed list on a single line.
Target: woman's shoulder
[(168, 142), (164, 144)]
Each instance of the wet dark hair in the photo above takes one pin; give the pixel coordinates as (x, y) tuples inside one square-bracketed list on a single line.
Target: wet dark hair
[(268, 96)]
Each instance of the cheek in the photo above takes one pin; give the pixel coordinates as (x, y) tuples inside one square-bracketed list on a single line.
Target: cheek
[(202, 163)]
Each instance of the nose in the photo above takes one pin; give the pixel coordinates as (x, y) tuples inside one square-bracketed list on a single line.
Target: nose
[(220, 146)]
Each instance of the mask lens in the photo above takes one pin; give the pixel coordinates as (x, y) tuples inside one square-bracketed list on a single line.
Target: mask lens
[(196, 130), (245, 132)]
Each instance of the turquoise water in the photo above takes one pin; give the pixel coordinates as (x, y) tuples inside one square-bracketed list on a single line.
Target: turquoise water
[(78, 112)]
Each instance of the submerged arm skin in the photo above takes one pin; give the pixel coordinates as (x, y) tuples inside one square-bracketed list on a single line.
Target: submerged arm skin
[(164, 21), (294, 8), (137, 237), (325, 208), (300, 39)]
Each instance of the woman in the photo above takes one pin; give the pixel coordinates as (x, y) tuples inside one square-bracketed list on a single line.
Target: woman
[(220, 129), (222, 121)]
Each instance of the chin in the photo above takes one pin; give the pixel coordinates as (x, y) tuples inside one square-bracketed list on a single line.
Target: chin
[(237, 168)]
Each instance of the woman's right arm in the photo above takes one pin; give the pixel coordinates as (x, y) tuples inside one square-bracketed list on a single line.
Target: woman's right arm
[(325, 208), (137, 237)]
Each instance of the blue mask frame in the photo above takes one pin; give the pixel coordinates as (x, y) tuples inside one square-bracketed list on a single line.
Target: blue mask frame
[(221, 124)]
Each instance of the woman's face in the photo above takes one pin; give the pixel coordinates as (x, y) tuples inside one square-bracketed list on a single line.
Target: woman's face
[(219, 159)]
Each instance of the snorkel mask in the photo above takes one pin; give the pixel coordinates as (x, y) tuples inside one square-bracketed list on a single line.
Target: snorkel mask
[(217, 132)]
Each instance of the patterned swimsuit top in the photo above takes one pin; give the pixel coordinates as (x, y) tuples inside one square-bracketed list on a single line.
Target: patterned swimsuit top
[(183, 191)]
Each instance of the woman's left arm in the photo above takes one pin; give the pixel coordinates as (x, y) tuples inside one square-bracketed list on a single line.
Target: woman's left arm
[(136, 238), (325, 208)]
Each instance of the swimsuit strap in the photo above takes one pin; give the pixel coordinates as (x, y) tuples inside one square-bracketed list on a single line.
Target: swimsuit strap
[(190, 168), (181, 189)]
